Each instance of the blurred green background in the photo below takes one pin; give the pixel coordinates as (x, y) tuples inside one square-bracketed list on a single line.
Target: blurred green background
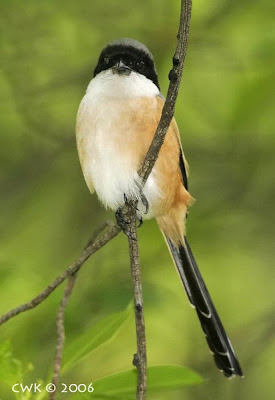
[(225, 111)]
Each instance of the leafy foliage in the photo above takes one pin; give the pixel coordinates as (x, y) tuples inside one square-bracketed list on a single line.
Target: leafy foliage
[(160, 378), (92, 338), (113, 386)]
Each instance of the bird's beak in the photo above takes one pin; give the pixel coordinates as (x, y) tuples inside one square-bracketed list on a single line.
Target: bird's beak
[(121, 69)]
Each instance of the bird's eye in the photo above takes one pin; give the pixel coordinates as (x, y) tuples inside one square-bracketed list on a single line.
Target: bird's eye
[(106, 60), (140, 65)]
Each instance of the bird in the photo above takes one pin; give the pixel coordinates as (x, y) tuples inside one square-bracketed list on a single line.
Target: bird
[(116, 122)]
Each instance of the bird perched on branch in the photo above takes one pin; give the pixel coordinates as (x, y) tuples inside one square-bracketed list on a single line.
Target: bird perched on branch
[(116, 123)]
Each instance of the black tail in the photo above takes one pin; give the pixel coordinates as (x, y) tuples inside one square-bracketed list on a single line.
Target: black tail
[(199, 297)]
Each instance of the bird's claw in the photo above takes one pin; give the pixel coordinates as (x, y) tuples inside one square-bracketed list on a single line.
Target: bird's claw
[(143, 198), (140, 221), (144, 202)]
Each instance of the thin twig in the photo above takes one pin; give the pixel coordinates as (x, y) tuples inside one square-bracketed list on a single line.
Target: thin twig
[(140, 358), (60, 327), (111, 231), (61, 333)]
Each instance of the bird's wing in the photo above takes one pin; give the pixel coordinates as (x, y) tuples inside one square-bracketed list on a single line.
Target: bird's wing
[(183, 165)]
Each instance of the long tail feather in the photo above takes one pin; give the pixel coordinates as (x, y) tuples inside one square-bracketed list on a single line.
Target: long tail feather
[(218, 342)]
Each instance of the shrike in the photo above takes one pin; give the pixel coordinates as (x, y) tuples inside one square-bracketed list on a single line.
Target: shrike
[(116, 122)]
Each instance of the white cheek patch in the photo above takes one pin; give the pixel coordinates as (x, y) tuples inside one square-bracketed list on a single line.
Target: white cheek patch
[(108, 84)]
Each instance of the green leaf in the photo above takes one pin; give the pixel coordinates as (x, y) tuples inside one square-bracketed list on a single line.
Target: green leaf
[(160, 378), (98, 334)]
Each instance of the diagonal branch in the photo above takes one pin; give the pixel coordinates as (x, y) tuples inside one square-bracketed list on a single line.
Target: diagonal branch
[(175, 78), (111, 230)]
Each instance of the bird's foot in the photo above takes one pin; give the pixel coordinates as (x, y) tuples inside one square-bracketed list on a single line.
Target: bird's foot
[(122, 221), (121, 214), (122, 217)]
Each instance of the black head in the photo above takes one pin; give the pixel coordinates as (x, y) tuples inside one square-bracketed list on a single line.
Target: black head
[(126, 55)]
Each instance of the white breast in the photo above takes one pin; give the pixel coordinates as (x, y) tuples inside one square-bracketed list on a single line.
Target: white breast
[(102, 128)]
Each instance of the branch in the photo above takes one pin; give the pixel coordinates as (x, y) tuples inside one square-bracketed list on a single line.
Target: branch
[(140, 358), (175, 78), (61, 332), (129, 211), (93, 245)]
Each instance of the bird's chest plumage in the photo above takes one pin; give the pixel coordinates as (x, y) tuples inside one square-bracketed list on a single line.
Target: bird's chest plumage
[(114, 132)]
